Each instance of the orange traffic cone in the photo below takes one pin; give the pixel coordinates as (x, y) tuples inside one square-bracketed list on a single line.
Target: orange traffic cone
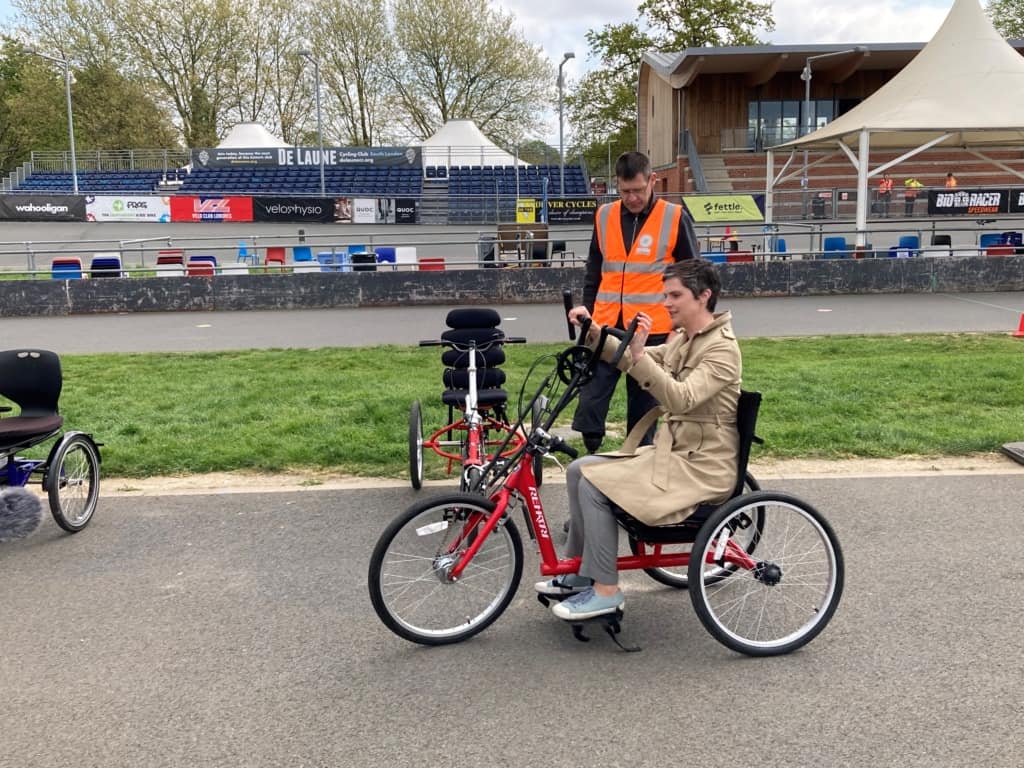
[(1020, 328)]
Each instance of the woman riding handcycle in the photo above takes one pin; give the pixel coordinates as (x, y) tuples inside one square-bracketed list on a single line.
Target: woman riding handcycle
[(764, 569)]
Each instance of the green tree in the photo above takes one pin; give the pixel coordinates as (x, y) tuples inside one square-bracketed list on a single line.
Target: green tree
[(463, 59), (112, 112), (602, 107), (1007, 17)]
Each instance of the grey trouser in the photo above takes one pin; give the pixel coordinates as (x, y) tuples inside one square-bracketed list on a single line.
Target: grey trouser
[(593, 532)]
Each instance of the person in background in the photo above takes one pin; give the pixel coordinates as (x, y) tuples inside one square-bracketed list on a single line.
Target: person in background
[(885, 194), (911, 189), (950, 181), (634, 239)]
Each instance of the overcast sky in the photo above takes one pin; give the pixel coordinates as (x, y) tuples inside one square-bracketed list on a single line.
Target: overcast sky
[(560, 25)]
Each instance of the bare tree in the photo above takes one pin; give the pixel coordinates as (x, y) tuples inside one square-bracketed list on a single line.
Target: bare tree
[(462, 59), (352, 42)]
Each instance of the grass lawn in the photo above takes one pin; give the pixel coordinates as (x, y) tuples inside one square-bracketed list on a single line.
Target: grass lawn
[(347, 409)]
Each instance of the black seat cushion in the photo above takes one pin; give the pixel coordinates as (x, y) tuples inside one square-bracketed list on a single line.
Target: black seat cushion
[(485, 398), (463, 337), (21, 429), (486, 378), (491, 357)]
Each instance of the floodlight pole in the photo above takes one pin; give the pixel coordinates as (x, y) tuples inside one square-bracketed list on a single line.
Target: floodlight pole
[(71, 122), (806, 77), (561, 138), (308, 55)]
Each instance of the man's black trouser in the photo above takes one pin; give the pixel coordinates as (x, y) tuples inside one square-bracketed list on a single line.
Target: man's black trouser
[(595, 398)]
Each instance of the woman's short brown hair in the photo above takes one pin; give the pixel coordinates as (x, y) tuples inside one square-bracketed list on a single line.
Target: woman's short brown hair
[(697, 275)]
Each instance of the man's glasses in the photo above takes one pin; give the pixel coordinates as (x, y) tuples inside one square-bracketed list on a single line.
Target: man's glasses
[(634, 191)]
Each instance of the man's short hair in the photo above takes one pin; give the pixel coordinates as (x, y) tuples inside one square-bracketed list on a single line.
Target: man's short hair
[(632, 164), (696, 275)]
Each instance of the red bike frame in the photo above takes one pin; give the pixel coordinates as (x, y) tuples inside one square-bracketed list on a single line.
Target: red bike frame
[(521, 481)]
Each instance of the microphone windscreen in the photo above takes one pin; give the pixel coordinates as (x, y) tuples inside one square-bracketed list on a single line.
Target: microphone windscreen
[(21, 513)]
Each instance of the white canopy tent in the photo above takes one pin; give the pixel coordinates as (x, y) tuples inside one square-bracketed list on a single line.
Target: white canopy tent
[(461, 142), (250, 136), (961, 90)]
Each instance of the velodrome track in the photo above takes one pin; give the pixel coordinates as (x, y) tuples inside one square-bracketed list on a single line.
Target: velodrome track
[(234, 629), (210, 331)]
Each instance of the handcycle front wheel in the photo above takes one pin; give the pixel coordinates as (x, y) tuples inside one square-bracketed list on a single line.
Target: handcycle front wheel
[(415, 445), (72, 482), (793, 588), (677, 576), (408, 577)]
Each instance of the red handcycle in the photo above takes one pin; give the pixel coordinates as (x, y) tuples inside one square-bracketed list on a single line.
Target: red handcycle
[(764, 569)]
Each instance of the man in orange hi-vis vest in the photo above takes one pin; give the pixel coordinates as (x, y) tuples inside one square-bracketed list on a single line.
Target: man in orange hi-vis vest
[(634, 239)]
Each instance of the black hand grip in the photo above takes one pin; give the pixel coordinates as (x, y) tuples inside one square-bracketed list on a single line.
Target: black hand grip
[(626, 339), (514, 340), (432, 343), (560, 445), (585, 329), (567, 303)]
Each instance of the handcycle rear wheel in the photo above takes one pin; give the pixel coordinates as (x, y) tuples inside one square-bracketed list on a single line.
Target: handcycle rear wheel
[(409, 587), (415, 445), (677, 577), (73, 482), (792, 592)]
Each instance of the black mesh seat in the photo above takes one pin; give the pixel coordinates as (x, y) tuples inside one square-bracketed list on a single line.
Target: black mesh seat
[(32, 380), (474, 327), (685, 532)]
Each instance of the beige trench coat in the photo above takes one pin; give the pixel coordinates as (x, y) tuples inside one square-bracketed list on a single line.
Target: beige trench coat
[(694, 456)]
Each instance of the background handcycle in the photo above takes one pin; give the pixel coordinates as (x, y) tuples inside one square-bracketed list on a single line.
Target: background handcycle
[(70, 473), (478, 422), (764, 569)]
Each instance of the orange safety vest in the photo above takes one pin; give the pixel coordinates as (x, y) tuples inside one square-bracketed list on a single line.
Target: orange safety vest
[(632, 282)]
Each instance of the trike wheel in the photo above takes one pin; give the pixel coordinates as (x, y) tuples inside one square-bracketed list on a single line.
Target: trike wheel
[(415, 445), (408, 578), (677, 577), (73, 482), (789, 590)]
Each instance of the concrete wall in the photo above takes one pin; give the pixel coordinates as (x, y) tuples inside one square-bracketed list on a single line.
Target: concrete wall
[(487, 286)]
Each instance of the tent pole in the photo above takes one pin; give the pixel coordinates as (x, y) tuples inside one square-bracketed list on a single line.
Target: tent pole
[(862, 188)]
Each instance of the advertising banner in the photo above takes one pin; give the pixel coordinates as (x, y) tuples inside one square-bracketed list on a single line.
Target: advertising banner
[(1016, 201), (526, 210), (42, 207), (364, 210), (307, 157), (211, 208), (405, 210), (142, 208), (723, 208), (311, 209), (964, 202), (577, 210)]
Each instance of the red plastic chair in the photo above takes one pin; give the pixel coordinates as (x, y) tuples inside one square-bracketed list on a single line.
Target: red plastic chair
[(432, 264)]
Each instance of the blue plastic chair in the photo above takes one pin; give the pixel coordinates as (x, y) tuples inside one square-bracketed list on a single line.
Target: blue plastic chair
[(302, 253), (243, 253), (835, 248), (911, 242), (385, 254), (715, 257), (326, 259), (66, 269)]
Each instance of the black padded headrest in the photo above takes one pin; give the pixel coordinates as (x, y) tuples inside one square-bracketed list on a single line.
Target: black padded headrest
[(473, 317)]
